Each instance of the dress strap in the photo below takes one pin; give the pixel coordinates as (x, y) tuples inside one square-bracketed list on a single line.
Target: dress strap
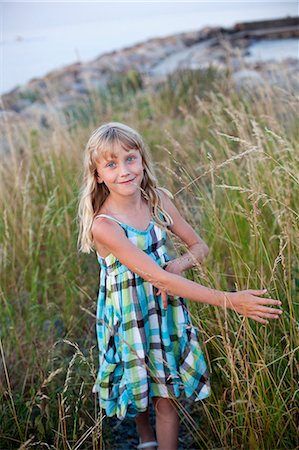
[(109, 217)]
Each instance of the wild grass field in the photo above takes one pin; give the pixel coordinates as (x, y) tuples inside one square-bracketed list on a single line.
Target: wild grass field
[(231, 159)]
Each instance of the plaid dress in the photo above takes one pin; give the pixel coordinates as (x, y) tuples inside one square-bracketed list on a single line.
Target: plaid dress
[(144, 349)]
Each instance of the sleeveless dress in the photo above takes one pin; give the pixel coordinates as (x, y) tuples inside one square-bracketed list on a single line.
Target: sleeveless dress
[(145, 350)]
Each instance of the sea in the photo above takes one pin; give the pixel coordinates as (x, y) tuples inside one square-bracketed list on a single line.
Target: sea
[(38, 37)]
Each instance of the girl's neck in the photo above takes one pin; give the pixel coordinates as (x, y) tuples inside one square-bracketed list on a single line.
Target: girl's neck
[(125, 206)]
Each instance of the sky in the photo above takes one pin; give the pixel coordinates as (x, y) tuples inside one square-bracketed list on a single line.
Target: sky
[(21, 16)]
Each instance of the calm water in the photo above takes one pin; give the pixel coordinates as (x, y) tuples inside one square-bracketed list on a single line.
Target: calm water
[(39, 37)]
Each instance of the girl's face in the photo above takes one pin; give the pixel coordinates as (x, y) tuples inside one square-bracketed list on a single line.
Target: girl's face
[(122, 171)]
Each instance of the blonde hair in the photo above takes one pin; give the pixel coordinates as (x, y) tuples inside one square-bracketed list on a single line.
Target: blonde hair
[(93, 194)]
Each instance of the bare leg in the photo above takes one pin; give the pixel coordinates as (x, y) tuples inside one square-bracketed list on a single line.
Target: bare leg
[(144, 428), (167, 423)]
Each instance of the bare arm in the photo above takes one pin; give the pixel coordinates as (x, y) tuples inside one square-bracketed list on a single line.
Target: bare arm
[(111, 235)]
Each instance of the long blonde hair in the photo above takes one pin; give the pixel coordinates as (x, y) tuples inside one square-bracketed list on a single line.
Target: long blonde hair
[(93, 194)]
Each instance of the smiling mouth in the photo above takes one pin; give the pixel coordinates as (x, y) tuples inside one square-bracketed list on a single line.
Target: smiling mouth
[(125, 182)]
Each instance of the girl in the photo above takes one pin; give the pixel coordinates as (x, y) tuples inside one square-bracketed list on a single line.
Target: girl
[(148, 346)]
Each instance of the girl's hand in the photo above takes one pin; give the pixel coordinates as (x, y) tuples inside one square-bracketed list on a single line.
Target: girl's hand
[(164, 298), (249, 304), (173, 266)]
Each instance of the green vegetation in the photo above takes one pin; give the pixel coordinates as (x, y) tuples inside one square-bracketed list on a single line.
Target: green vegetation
[(232, 161)]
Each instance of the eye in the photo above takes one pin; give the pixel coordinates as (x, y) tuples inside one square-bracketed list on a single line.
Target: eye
[(131, 158), (110, 164)]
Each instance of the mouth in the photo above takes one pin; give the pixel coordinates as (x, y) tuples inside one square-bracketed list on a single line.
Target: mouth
[(127, 182)]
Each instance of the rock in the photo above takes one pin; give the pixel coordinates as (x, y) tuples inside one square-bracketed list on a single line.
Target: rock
[(8, 116), (192, 57), (38, 113)]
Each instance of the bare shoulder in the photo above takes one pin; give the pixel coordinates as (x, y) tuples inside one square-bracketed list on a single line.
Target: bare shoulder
[(106, 233), (168, 205), (103, 229), (166, 201)]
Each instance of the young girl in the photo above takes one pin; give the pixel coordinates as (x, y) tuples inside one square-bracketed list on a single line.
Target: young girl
[(148, 346)]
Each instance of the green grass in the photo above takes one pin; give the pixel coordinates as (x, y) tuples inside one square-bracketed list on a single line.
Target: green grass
[(232, 161)]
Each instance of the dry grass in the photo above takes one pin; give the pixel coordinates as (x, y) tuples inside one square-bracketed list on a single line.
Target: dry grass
[(232, 162)]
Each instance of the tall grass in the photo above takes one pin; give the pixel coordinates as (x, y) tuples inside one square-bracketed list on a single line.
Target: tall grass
[(232, 161)]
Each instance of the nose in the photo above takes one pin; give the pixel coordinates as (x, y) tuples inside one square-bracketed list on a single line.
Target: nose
[(123, 170)]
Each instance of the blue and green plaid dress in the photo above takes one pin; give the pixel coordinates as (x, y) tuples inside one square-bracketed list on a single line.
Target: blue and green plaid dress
[(144, 349)]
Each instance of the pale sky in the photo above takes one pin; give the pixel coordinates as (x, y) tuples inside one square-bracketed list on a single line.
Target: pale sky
[(21, 16)]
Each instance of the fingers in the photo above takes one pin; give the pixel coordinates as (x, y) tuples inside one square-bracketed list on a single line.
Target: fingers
[(268, 315), (261, 316), (250, 305), (269, 301), (264, 311), (258, 319), (265, 301), (269, 310), (262, 301), (164, 298)]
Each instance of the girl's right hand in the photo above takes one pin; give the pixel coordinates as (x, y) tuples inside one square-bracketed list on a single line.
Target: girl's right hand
[(164, 298), (249, 304)]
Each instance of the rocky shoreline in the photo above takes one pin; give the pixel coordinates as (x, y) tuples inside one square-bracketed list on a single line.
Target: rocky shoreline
[(154, 59)]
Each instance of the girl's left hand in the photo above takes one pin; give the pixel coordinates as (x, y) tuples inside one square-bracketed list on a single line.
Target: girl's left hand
[(173, 267)]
